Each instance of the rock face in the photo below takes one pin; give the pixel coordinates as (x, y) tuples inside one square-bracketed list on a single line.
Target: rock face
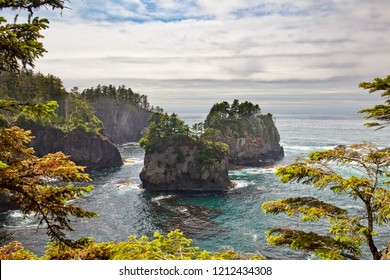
[(122, 122), (183, 167), (5, 204), (93, 151), (256, 144)]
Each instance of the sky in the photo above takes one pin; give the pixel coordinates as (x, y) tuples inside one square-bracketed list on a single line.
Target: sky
[(288, 56)]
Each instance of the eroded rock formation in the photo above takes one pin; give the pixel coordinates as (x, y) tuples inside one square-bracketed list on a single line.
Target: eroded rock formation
[(187, 165), (93, 151)]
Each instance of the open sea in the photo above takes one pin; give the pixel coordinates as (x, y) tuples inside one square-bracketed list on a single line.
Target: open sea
[(214, 221)]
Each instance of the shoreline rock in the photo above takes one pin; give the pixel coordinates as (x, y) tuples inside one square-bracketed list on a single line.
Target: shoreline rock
[(123, 123), (182, 166), (95, 152), (255, 144)]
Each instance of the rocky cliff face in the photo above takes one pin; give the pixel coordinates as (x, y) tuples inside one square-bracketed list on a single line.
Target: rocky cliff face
[(184, 166), (122, 122), (253, 141), (93, 151)]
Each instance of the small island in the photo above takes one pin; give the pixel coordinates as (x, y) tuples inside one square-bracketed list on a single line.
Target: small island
[(252, 137), (178, 160)]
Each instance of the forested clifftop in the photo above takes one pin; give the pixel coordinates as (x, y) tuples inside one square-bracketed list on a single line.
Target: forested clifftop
[(124, 113), (252, 137), (69, 124)]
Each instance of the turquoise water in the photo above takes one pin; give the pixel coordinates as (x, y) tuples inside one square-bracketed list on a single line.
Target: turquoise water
[(214, 221)]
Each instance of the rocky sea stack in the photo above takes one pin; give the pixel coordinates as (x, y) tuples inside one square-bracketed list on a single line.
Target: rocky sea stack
[(94, 151), (176, 160), (252, 137)]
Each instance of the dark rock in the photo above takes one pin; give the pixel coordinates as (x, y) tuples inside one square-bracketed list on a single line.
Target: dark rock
[(6, 204), (93, 151), (167, 171), (122, 122), (257, 144)]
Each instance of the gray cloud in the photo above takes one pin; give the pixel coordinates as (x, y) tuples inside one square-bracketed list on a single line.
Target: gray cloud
[(312, 57)]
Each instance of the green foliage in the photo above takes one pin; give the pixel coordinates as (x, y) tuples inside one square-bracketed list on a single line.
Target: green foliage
[(331, 169), (380, 112), (237, 119), (83, 119), (212, 152), (121, 94), (43, 99), (221, 112), (41, 112), (164, 130), (3, 165), (3, 121), (19, 42), (174, 246)]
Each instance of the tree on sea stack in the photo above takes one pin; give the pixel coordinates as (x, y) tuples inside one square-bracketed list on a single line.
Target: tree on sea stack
[(359, 171)]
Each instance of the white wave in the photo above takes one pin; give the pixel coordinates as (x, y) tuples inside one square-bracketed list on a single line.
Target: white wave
[(131, 161), (308, 148), (257, 170), (16, 219), (262, 170), (162, 197), (15, 214), (128, 145), (240, 184), (21, 226), (131, 183), (182, 209), (130, 186)]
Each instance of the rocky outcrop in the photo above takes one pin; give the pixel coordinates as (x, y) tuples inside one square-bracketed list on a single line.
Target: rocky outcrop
[(122, 122), (187, 165), (6, 204), (93, 151), (253, 141)]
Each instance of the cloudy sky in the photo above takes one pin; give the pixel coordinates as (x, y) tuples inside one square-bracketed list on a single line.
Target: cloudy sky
[(287, 56)]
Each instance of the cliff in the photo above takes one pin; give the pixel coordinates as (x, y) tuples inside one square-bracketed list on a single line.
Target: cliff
[(187, 165), (257, 145), (177, 160), (253, 141), (93, 151), (122, 122)]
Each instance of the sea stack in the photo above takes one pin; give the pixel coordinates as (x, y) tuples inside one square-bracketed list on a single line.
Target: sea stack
[(252, 137), (177, 160)]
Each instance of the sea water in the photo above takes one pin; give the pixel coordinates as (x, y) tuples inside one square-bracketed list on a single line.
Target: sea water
[(214, 221)]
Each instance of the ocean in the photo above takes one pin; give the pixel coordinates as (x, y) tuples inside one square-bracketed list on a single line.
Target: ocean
[(214, 221)]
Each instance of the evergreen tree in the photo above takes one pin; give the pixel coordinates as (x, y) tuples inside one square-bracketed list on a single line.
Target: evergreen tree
[(26, 177), (380, 112), (332, 169)]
